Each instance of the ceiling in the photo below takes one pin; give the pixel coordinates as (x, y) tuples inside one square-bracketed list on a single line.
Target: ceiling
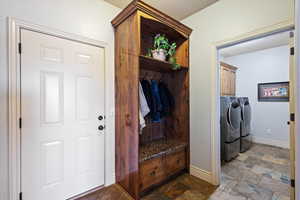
[(272, 41), (178, 9)]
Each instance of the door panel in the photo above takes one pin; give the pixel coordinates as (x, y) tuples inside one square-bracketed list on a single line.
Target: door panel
[(62, 95)]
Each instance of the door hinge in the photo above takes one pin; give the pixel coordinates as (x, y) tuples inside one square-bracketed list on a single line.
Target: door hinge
[(20, 123), (291, 34), (20, 47), (292, 117), (292, 51), (292, 183), (20, 196)]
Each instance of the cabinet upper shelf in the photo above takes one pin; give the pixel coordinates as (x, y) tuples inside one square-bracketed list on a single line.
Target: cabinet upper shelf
[(152, 64)]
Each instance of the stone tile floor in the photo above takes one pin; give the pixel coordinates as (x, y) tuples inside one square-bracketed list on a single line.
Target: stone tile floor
[(262, 173)]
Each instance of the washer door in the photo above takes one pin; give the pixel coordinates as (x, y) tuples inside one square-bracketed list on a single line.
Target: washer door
[(234, 115)]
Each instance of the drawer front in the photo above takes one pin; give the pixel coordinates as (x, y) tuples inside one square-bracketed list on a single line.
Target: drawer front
[(175, 162), (151, 173)]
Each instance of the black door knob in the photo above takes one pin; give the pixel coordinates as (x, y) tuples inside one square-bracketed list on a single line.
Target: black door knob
[(100, 128), (100, 117)]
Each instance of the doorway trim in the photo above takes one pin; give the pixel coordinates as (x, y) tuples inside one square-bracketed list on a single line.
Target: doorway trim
[(14, 112), (215, 90)]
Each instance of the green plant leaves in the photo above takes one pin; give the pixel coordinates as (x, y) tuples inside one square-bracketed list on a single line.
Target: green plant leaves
[(162, 42)]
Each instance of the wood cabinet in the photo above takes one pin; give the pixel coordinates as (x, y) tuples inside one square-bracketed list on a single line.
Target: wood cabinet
[(228, 79), (175, 162), (162, 150), (154, 171)]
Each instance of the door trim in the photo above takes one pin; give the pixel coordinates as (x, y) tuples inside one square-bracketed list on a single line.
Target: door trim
[(215, 90), (14, 152)]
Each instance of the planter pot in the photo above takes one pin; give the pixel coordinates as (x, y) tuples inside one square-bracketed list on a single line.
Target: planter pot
[(159, 54)]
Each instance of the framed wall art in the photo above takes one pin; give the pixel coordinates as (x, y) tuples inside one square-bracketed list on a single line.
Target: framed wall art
[(277, 91)]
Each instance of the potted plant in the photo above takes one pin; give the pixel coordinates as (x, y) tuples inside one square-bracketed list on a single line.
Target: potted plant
[(163, 49)]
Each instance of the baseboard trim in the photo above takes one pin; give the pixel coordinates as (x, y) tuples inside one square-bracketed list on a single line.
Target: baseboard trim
[(87, 193), (202, 174), (277, 143)]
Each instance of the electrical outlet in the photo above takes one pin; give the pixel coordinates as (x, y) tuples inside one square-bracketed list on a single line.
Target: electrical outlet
[(269, 131)]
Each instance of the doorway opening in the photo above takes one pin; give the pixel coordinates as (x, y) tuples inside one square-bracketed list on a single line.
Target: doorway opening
[(256, 132)]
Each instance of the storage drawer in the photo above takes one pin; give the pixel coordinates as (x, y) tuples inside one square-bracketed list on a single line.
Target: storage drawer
[(175, 162), (151, 173)]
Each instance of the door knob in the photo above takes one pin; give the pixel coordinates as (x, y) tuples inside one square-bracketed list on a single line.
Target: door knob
[(100, 117), (100, 128)]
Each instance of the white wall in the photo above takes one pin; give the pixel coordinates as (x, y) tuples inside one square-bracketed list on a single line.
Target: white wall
[(89, 18), (221, 21), (269, 119)]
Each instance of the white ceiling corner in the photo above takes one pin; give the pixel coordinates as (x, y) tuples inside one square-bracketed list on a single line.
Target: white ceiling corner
[(178, 9)]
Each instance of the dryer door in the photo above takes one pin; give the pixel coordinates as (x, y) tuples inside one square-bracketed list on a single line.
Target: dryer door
[(247, 116), (234, 119), (234, 115)]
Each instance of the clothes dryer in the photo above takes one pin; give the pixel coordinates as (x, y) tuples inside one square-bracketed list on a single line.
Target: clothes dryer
[(230, 127), (246, 137)]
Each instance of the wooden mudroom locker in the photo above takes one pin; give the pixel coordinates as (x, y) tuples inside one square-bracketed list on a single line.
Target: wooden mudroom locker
[(148, 157)]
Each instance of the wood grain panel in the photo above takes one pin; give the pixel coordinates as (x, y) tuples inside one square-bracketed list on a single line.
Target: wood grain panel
[(182, 54), (127, 122), (228, 79), (175, 162), (152, 172)]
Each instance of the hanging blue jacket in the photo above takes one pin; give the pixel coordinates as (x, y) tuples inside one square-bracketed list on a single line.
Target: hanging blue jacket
[(157, 105), (166, 98)]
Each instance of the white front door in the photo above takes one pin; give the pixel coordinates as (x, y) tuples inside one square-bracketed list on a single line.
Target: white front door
[(62, 99)]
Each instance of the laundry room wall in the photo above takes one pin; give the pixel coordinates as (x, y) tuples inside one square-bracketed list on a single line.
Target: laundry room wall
[(269, 119), (224, 20), (88, 18)]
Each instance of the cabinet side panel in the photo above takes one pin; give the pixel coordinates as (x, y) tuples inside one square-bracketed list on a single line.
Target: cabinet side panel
[(127, 122), (182, 54)]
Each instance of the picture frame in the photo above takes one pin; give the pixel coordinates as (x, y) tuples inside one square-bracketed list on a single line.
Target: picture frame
[(273, 92)]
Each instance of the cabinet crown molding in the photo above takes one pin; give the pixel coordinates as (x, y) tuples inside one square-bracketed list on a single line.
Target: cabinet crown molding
[(138, 5)]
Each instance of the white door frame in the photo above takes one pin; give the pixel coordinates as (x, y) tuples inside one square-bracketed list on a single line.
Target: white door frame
[(14, 162), (215, 91)]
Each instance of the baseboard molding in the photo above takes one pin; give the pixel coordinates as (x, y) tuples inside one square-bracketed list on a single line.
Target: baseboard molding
[(87, 193), (277, 143), (200, 173)]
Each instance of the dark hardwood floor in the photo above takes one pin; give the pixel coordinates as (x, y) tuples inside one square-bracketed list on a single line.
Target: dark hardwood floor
[(185, 187), (113, 192)]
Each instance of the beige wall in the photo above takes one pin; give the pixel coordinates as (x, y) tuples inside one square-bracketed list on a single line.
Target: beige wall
[(221, 21), (298, 96), (89, 18)]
